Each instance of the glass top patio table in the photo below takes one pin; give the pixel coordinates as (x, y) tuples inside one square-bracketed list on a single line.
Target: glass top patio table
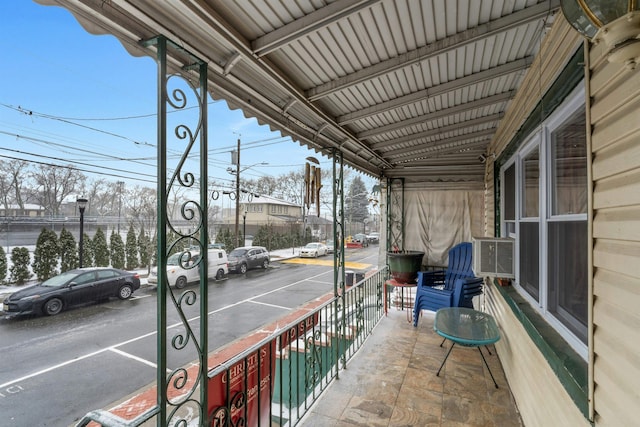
[(467, 327)]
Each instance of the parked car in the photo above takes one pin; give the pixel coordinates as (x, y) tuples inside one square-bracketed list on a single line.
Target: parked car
[(70, 288), (314, 250), (180, 274), (374, 237), (246, 257), (362, 239), (330, 246)]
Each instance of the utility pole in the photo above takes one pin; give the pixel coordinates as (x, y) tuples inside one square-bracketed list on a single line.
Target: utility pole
[(237, 162), (120, 184)]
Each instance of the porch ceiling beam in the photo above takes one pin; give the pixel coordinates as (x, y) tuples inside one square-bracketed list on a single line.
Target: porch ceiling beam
[(458, 147), (314, 21), (471, 79), (437, 145), (204, 14), (469, 176), (522, 17), (468, 106), (437, 131), (431, 170), (475, 184)]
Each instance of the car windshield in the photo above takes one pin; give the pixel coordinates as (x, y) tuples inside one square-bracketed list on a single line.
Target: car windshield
[(58, 280), (175, 259), (312, 245), (237, 252)]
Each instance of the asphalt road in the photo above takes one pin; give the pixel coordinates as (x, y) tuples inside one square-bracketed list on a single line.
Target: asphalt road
[(53, 370)]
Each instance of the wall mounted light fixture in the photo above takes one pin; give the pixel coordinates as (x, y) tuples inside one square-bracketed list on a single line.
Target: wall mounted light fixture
[(614, 23)]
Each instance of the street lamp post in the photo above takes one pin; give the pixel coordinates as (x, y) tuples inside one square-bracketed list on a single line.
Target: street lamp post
[(82, 204), (244, 224)]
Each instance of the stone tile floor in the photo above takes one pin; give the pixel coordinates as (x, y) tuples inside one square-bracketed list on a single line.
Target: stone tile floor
[(392, 381)]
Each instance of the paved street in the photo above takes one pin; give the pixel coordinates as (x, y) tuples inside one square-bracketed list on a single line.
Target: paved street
[(91, 356)]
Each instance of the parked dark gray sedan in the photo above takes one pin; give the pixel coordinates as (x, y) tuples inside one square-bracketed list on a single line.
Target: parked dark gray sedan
[(71, 288), (244, 258)]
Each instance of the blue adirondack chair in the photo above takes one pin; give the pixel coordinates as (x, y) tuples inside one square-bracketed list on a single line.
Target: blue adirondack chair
[(454, 287)]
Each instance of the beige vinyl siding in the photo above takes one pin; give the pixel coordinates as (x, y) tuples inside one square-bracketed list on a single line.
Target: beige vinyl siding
[(540, 397), (615, 119), (558, 47), (489, 200), (539, 394)]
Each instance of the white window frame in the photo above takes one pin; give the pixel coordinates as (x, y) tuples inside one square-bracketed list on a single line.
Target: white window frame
[(541, 138)]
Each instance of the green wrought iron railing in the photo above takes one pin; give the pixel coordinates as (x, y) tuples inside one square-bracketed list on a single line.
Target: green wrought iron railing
[(278, 379)]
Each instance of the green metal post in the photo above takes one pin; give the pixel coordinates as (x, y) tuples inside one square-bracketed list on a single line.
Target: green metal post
[(179, 382), (339, 287), (204, 239), (162, 230)]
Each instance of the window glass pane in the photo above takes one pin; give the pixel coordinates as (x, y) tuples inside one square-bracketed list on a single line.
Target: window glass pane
[(569, 167), (567, 294), (528, 244), (510, 193), (531, 185)]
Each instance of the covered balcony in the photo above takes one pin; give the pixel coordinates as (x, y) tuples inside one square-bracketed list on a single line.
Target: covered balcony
[(480, 119)]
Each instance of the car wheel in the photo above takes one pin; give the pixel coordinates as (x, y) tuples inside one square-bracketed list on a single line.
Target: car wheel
[(243, 268), (125, 292), (220, 274), (265, 264), (52, 307), (181, 282)]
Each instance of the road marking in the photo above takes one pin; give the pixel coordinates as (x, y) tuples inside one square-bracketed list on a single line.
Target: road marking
[(139, 297), (15, 389), (139, 359), (324, 282), (326, 263), (269, 305), (149, 334)]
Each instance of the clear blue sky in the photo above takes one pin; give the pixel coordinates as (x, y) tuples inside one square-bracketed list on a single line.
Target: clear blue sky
[(73, 97)]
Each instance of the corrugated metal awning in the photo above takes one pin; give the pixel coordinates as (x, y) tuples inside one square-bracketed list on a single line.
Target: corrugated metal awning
[(405, 88)]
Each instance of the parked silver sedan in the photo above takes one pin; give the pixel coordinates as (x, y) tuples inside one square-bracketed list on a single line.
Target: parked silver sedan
[(314, 250)]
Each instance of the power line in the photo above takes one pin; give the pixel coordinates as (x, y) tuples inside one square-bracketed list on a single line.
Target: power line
[(62, 160), (75, 168), (43, 141), (97, 119)]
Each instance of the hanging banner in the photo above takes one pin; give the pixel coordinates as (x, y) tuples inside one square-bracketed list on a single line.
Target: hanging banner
[(299, 331), (242, 393)]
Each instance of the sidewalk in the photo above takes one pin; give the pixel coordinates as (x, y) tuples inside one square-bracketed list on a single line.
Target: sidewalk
[(277, 255)]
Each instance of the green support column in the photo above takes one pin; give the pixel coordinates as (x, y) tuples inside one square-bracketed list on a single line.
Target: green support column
[(339, 287), (183, 392), (161, 232), (395, 214)]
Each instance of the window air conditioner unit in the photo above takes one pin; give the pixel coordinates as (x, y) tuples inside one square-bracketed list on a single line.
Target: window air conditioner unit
[(494, 257)]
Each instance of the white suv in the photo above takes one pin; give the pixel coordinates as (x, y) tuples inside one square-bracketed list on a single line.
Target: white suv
[(179, 276)]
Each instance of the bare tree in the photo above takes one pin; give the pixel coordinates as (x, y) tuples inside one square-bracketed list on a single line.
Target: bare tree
[(5, 188), (97, 193), (54, 183), (142, 207), (263, 185), (11, 183), (290, 186)]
